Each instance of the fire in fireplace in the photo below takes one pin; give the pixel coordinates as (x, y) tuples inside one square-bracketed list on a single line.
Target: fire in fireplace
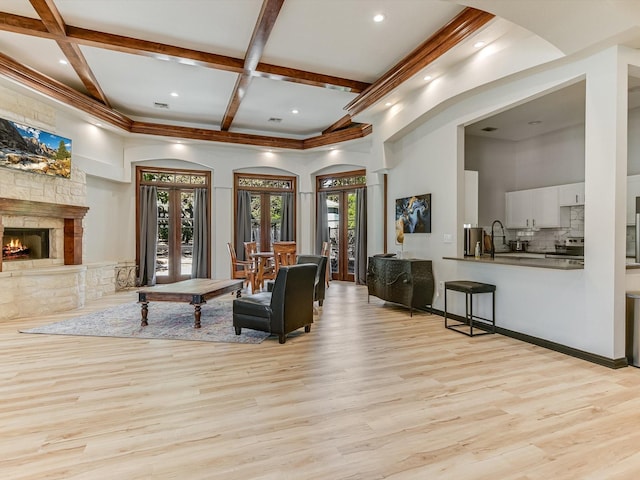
[(25, 244)]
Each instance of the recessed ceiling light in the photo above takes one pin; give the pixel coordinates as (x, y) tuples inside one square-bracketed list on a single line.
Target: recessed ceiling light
[(479, 44), (295, 111), (388, 104), (428, 78), (63, 61), (174, 94), (378, 18)]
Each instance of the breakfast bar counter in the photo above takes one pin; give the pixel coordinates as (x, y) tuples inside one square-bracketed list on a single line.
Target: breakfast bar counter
[(525, 261)]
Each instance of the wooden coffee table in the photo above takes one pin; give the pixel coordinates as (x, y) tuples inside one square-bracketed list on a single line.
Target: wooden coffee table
[(195, 291)]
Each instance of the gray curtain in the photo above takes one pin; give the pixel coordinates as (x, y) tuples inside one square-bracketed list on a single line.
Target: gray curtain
[(200, 259), (148, 234), (360, 265), (286, 221), (243, 222), (322, 222)]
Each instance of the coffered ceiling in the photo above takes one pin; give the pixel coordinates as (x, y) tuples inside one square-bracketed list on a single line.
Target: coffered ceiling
[(280, 73)]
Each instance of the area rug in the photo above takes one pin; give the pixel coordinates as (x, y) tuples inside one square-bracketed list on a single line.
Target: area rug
[(167, 320)]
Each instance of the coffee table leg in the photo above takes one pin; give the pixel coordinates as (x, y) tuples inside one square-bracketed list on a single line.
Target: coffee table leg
[(144, 311), (196, 314)]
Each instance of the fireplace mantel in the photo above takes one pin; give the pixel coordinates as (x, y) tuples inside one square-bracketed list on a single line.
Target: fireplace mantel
[(71, 214)]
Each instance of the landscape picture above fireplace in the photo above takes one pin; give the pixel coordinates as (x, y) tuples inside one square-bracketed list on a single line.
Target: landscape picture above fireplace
[(30, 149)]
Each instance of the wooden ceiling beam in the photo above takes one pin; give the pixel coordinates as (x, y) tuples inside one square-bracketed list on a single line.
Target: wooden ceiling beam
[(54, 23), (147, 128), (340, 124), (266, 20), (355, 131), (462, 26)]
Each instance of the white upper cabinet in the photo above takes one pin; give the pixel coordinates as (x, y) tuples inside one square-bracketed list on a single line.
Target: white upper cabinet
[(519, 210), (535, 208), (571, 194)]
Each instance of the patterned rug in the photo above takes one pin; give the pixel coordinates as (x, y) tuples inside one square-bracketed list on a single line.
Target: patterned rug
[(167, 320)]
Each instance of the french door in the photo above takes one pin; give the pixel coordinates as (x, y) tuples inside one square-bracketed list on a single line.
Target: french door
[(341, 220), (175, 197), (342, 234), (175, 235)]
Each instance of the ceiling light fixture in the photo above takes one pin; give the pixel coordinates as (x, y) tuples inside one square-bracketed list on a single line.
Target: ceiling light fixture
[(295, 111), (535, 122), (63, 62), (428, 78), (174, 94), (388, 104), (479, 44), (378, 18)]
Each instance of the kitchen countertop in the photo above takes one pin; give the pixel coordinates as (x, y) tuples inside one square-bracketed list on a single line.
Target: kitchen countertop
[(525, 261)]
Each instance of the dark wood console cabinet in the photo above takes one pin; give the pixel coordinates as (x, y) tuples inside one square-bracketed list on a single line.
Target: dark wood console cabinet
[(408, 282)]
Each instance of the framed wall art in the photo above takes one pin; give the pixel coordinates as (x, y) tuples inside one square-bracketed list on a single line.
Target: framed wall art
[(30, 149)]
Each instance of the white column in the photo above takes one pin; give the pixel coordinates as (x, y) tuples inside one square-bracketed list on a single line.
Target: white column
[(605, 200)]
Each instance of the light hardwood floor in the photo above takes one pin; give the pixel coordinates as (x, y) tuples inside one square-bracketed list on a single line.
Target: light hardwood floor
[(370, 393)]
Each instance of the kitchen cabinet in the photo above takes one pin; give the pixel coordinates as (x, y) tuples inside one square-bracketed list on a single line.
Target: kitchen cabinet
[(535, 208), (571, 195), (633, 191)]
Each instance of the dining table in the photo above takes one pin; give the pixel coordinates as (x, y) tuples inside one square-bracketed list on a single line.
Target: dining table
[(261, 260)]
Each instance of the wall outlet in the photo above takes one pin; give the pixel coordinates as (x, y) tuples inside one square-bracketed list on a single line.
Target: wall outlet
[(447, 238), (440, 286)]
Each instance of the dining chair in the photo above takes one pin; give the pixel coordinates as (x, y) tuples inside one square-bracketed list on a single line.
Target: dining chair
[(284, 254), (326, 252), (244, 269)]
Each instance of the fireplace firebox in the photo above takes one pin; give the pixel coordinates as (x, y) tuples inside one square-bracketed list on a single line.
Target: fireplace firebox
[(25, 244)]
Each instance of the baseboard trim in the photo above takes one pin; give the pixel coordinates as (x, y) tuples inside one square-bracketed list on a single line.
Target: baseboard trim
[(613, 363)]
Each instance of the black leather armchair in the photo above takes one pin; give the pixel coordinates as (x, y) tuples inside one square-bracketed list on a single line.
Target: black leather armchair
[(319, 287), (285, 309)]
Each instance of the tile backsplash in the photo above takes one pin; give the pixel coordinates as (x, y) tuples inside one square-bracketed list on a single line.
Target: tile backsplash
[(544, 240)]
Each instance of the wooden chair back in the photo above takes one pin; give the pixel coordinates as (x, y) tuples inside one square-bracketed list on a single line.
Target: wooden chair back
[(239, 268), (249, 249), (284, 253), (326, 252)]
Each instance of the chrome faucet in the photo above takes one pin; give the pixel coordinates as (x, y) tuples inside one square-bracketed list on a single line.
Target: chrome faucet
[(493, 245)]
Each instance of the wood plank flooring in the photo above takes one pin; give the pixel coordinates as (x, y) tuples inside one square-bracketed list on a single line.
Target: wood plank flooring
[(370, 393)]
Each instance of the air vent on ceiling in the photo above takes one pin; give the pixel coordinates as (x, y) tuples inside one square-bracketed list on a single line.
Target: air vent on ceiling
[(275, 120), (161, 105), (489, 129)]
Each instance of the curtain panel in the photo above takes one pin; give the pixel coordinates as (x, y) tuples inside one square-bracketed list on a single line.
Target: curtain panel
[(199, 257), (360, 265), (322, 222), (243, 222), (148, 235), (286, 221)]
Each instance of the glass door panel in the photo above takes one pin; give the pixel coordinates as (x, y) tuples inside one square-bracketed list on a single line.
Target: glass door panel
[(256, 219), (350, 198), (186, 230), (162, 259)]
